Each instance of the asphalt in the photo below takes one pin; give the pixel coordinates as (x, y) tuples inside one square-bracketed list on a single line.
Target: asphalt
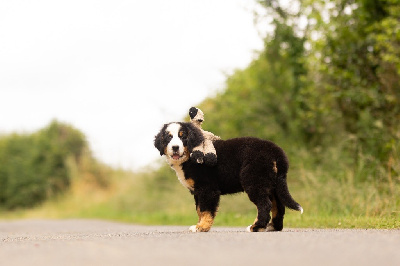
[(94, 242)]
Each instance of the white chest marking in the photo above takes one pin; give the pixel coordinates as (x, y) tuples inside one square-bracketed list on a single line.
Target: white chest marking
[(181, 175)]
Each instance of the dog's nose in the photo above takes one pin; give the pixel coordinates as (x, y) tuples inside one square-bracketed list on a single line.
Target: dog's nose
[(175, 148)]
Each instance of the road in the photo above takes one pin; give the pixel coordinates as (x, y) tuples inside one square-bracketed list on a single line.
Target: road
[(94, 242)]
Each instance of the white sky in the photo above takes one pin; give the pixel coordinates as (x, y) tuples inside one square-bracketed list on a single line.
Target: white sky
[(117, 70)]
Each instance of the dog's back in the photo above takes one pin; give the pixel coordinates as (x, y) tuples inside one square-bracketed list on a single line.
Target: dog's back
[(245, 162), (239, 152)]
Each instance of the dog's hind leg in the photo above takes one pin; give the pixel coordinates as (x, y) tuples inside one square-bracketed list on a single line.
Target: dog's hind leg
[(256, 185), (278, 212), (261, 199)]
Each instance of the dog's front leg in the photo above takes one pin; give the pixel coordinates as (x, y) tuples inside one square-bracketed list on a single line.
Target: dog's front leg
[(206, 206)]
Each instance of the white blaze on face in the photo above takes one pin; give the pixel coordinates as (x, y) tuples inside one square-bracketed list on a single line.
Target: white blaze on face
[(175, 160), (173, 130)]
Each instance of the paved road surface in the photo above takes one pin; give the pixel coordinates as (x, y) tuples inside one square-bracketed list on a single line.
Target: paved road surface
[(93, 242)]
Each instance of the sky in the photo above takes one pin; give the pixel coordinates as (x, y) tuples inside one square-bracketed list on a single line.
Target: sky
[(118, 70)]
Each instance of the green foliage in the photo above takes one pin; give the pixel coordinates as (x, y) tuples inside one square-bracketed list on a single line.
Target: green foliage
[(360, 70), (344, 86), (33, 167), (328, 92), (19, 184)]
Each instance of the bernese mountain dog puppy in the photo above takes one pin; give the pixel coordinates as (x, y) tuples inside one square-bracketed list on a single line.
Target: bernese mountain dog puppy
[(255, 166)]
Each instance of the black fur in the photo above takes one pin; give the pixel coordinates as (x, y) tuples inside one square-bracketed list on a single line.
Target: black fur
[(210, 159), (257, 167), (160, 140), (197, 156), (193, 112)]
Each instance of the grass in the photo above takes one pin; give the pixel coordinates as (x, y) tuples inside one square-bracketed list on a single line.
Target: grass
[(189, 217), (331, 195), (157, 198)]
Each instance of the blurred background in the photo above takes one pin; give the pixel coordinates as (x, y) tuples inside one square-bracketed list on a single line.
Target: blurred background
[(86, 85), (117, 70)]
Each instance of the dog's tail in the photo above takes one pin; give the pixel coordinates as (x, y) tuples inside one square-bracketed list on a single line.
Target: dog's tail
[(284, 195)]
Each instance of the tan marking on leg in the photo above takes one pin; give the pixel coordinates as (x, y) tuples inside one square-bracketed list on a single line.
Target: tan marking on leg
[(256, 220), (190, 182), (198, 213), (259, 229), (275, 169), (206, 221), (274, 208), (254, 224), (274, 211)]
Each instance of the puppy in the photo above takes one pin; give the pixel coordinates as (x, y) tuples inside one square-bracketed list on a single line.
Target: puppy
[(255, 166)]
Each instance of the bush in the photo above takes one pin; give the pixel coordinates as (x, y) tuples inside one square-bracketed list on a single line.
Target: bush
[(33, 167)]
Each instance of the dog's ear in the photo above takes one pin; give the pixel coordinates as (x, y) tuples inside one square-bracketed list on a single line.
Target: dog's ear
[(195, 137), (158, 140)]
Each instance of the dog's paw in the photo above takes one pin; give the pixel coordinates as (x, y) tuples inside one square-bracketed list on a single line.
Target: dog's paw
[(252, 228), (270, 228), (210, 159), (197, 156), (193, 229)]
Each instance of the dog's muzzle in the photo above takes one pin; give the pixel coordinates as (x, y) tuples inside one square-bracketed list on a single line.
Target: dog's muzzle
[(175, 153)]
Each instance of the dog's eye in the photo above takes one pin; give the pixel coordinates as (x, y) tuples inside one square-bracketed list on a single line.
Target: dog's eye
[(181, 134)]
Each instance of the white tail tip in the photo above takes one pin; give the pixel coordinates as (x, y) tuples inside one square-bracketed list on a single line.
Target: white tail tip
[(301, 210)]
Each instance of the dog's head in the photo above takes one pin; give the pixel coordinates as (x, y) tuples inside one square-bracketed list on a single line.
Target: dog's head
[(176, 140)]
